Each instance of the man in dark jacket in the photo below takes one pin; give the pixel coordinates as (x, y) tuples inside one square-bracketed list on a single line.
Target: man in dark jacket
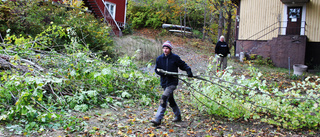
[(222, 51), (169, 62)]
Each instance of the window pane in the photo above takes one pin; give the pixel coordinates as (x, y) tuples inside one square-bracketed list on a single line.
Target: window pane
[(111, 8)]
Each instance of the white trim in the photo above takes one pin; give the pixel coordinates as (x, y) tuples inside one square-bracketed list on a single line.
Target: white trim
[(125, 14), (303, 19), (285, 18), (113, 13)]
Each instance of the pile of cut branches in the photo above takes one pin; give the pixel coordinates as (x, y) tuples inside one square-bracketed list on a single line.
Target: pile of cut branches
[(41, 85), (251, 98)]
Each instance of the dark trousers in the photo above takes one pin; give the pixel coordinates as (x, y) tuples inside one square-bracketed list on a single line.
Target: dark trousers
[(167, 96)]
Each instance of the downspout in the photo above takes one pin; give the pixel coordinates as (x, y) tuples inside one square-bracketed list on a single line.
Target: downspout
[(125, 13)]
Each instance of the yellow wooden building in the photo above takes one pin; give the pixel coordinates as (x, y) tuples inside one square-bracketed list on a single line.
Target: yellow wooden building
[(287, 31)]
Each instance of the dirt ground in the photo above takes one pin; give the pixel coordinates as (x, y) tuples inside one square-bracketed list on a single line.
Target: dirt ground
[(133, 119)]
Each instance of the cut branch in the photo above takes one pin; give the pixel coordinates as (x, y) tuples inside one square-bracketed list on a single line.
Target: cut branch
[(4, 62)]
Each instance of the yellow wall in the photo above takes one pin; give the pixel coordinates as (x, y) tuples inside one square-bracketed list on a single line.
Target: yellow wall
[(313, 21), (257, 15)]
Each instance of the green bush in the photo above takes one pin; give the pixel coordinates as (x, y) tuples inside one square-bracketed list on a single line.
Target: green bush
[(197, 34), (146, 16), (259, 60), (128, 29), (30, 19)]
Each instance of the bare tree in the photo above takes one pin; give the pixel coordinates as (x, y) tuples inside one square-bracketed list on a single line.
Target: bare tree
[(204, 20), (225, 8)]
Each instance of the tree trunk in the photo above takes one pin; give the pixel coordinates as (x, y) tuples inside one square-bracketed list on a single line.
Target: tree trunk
[(184, 19), (204, 20), (229, 21), (221, 19)]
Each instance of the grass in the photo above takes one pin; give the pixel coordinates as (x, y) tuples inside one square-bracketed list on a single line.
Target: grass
[(145, 50)]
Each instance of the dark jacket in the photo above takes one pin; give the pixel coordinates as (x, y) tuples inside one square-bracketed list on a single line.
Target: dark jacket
[(170, 63), (222, 48)]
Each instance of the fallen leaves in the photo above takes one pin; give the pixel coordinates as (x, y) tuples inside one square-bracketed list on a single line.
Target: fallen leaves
[(171, 130), (86, 118), (132, 120)]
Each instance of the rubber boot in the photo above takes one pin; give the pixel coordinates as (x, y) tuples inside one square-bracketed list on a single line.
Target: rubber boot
[(177, 118), (156, 122)]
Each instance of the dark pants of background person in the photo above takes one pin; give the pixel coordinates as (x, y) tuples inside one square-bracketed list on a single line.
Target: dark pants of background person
[(167, 96), (222, 63)]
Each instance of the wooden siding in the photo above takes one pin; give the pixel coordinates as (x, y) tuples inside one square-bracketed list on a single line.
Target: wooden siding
[(259, 16), (120, 9), (313, 21)]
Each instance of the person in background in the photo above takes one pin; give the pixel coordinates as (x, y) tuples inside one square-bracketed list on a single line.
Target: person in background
[(169, 61), (222, 51)]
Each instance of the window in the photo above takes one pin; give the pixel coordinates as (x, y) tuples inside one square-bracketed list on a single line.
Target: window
[(294, 13), (111, 7)]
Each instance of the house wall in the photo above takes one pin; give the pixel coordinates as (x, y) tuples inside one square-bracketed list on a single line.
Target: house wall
[(255, 18), (288, 46), (313, 21), (120, 9), (258, 15), (278, 49)]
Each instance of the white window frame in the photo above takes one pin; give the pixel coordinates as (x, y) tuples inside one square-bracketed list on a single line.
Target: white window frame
[(108, 5)]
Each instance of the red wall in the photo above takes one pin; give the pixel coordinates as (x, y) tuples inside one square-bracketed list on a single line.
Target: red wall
[(120, 9)]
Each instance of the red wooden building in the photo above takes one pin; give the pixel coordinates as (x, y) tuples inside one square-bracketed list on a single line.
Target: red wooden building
[(112, 11)]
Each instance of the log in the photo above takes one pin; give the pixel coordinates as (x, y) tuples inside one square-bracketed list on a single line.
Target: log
[(177, 27), (180, 31)]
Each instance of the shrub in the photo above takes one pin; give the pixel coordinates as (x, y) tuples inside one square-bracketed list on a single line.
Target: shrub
[(146, 16), (197, 34), (30, 19)]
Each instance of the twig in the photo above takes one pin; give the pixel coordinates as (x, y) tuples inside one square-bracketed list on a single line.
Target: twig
[(41, 105), (55, 93), (15, 99), (33, 64), (1, 38), (113, 107), (203, 95)]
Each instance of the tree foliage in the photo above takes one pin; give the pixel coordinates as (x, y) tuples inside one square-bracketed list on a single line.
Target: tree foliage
[(219, 14), (147, 16)]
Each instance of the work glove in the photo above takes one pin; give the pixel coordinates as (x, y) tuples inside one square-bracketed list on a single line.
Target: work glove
[(189, 72)]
